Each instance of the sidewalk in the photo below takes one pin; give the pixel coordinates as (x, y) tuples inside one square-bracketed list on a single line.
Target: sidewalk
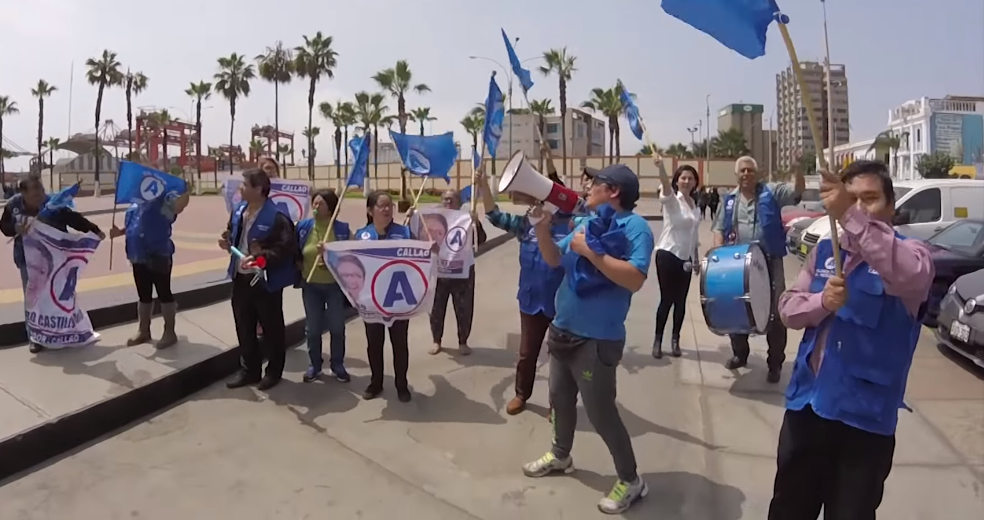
[(705, 437)]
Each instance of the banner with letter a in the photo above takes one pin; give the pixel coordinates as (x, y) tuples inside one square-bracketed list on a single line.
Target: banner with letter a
[(385, 280), (293, 198), (55, 261), (452, 230)]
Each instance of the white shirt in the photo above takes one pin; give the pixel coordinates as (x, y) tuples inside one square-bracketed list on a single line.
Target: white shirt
[(247, 223), (680, 227)]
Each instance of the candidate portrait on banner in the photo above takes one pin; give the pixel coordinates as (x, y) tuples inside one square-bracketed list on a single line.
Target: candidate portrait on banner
[(292, 197), (385, 280), (452, 230)]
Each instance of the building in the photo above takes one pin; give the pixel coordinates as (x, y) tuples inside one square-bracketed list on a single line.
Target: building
[(585, 135), (794, 135), (954, 125), (845, 154), (748, 120)]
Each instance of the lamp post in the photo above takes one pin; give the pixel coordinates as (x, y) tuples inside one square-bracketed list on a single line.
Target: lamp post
[(693, 130), (509, 91), (707, 103)]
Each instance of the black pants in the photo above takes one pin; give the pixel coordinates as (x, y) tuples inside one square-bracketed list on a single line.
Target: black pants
[(674, 284), (532, 329), (461, 291), (155, 274), (714, 209), (703, 211), (830, 464), (252, 305), (775, 334), (376, 338)]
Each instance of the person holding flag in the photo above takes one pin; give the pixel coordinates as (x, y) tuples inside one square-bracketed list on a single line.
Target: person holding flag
[(147, 226), (30, 203)]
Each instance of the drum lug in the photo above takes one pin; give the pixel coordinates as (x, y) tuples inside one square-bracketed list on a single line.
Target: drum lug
[(714, 258), (737, 256)]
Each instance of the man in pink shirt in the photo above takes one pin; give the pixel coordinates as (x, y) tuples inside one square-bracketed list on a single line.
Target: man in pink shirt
[(838, 435)]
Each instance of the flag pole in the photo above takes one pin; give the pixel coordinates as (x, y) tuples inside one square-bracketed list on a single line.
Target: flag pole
[(475, 194), (416, 199), (331, 224), (116, 187), (814, 129)]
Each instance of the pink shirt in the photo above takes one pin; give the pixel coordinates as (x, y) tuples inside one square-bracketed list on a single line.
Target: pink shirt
[(905, 266)]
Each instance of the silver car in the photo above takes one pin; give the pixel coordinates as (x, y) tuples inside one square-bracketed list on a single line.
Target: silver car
[(960, 325)]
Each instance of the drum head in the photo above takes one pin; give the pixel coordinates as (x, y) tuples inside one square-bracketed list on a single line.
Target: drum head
[(759, 287)]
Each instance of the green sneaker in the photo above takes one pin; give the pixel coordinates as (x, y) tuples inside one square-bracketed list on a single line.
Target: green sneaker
[(548, 464), (622, 496)]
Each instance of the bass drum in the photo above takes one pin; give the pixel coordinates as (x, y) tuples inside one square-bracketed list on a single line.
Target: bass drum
[(736, 290)]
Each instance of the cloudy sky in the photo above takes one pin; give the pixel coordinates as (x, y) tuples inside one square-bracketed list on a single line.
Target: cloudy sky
[(894, 50)]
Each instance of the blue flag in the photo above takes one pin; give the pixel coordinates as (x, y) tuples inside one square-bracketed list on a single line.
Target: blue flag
[(740, 25), (476, 158), (63, 199), (466, 195), (137, 184), (522, 74), (360, 150), (631, 112), (495, 112), (427, 155)]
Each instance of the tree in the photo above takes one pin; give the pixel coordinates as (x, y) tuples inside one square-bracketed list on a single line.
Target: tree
[(52, 144), (729, 144), (887, 142), (421, 115), (474, 123), (678, 150), (276, 65), (199, 91), (41, 91), (159, 121), (371, 112), (541, 108), (256, 147), (396, 82), (699, 149), (135, 84), (7, 108), (936, 165), (314, 60), (648, 150), (560, 64), (347, 117), (232, 82), (310, 134), (333, 114), (104, 72), (807, 163), (606, 101)]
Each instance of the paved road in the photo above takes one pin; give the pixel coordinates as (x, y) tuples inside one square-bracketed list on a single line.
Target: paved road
[(705, 438)]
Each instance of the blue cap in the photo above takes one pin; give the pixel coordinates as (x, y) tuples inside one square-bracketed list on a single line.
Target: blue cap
[(624, 178)]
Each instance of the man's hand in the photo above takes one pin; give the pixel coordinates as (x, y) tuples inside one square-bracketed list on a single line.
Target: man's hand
[(101, 235), (20, 229), (544, 218), (224, 241), (834, 294), (116, 232), (247, 261), (579, 244), (834, 194), (255, 249)]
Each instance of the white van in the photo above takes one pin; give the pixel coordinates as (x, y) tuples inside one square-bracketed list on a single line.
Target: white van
[(922, 207)]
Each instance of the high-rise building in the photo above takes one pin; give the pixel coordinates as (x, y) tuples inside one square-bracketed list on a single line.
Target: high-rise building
[(794, 136), (747, 119), (585, 135)]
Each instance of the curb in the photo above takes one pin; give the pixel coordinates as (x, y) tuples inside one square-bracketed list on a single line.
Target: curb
[(57, 436)]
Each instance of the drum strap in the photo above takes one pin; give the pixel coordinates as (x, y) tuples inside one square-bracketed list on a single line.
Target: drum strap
[(755, 219)]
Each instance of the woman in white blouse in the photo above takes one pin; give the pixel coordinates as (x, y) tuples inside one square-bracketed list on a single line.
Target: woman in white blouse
[(676, 252)]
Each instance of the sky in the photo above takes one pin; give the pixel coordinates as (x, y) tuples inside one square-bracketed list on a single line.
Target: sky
[(894, 51)]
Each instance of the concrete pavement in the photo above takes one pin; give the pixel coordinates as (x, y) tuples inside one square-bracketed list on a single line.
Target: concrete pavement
[(705, 437)]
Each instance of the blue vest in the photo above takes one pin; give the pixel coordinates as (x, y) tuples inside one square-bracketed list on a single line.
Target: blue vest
[(148, 232), (278, 276), (868, 352), (538, 282), (16, 206), (394, 231), (769, 219), (304, 227)]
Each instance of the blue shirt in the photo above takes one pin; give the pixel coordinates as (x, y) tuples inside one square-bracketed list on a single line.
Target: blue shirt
[(601, 315)]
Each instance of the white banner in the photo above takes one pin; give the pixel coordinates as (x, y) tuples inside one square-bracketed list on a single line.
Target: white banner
[(292, 197), (452, 229), (55, 261), (385, 280)]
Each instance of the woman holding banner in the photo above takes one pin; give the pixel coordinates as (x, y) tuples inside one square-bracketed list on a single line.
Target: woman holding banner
[(147, 228), (324, 301), (461, 291)]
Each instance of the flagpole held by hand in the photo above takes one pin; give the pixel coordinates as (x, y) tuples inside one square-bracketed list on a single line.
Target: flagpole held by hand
[(331, 225)]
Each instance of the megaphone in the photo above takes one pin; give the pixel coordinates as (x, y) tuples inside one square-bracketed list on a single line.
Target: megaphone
[(520, 177)]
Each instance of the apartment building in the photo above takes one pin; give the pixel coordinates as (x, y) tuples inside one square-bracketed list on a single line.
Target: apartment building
[(793, 128), (747, 118), (585, 135)]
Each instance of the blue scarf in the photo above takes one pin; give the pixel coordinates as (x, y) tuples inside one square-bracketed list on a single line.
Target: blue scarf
[(605, 237)]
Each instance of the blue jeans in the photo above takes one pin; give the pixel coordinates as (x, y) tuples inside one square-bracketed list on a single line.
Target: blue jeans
[(324, 310)]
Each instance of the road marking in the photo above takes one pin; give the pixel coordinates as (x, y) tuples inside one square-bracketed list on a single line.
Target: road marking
[(199, 246), (197, 234), (124, 279)]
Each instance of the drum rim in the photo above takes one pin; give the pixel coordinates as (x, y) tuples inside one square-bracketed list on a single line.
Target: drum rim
[(746, 282)]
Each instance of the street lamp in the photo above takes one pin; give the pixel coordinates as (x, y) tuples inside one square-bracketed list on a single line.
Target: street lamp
[(707, 103), (693, 130)]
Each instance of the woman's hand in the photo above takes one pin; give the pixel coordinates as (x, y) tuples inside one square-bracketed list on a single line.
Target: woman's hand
[(435, 248), (116, 232)]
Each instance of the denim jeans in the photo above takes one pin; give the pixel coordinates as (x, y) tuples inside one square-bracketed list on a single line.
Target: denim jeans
[(324, 310)]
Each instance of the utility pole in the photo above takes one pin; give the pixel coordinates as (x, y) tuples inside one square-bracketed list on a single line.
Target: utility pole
[(769, 137), (707, 103)]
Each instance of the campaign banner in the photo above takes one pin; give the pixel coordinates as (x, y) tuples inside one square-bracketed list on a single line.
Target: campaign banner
[(385, 280), (452, 230), (55, 261), (293, 198)]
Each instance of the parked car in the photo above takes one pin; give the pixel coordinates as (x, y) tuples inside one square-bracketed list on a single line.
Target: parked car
[(961, 317), (957, 250), (793, 214), (795, 234)]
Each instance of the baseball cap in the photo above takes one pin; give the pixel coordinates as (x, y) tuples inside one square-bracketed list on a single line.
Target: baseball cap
[(622, 176), (590, 172)]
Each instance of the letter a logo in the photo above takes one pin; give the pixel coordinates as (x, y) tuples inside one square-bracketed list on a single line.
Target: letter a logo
[(399, 290)]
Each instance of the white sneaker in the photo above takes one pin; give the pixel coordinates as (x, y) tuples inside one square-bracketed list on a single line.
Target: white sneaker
[(622, 496), (548, 464)]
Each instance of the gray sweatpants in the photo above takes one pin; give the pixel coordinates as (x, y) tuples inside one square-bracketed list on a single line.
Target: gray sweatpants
[(587, 366)]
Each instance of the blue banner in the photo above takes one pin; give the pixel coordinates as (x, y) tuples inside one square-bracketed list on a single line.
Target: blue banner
[(631, 112), (495, 112), (428, 155), (740, 25), (521, 74), (61, 200), (360, 165), (137, 184)]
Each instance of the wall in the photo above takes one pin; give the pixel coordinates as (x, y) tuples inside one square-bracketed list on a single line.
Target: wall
[(960, 135)]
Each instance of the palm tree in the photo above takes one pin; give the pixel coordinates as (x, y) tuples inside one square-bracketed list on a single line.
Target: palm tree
[(277, 67), (887, 141), (606, 101), (135, 84), (648, 150), (396, 82), (699, 148), (7, 108), (256, 147), (371, 112), (729, 143), (561, 64), (421, 115), (474, 124), (104, 71), (333, 114), (159, 121), (232, 82), (199, 92), (310, 134), (52, 144), (540, 108), (41, 91), (314, 59), (678, 150), (347, 118)]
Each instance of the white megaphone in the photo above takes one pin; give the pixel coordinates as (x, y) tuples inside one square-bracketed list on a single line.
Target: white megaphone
[(520, 177)]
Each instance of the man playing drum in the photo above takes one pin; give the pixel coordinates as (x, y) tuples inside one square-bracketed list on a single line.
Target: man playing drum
[(861, 328), (753, 212)]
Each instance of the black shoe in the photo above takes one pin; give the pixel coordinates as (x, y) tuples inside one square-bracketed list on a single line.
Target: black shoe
[(403, 394), (735, 362), (658, 349), (675, 347), (372, 392), (775, 373), (242, 380), (35, 348), (268, 382)]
